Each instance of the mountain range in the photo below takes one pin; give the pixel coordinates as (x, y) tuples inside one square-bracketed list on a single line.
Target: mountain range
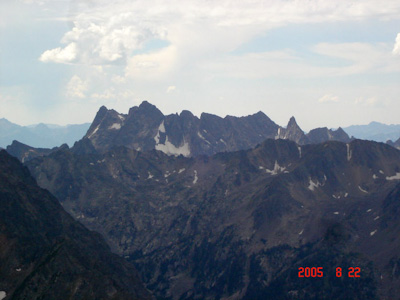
[(232, 208), (238, 225), (145, 128), (375, 131), (184, 129), (40, 135)]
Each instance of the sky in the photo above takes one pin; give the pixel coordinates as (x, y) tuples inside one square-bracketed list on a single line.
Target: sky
[(328, 63)]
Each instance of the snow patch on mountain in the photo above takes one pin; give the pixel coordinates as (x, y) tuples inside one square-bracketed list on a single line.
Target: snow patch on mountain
[(116, 126), (2, 295), (203, 138), (362, 190), (195, 177), (395, 177), (349, 152), (161, 128), (94, 131), (278, 133), (170, 149), (276, 170), (312, 185)]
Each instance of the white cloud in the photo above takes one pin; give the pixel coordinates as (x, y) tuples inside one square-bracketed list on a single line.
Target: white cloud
[(198, 55), (370, 101), (107, 38), (61, 55), (396, 48), (152, 65), (350, 59), (118, 79), (76, 87), (170, 89), (107, 94), (113, 94), (328, 98), (357, 58), (39, 2), (109, 33)]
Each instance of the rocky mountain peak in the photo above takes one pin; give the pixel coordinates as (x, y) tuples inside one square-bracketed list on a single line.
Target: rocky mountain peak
[(292, 123), (319, 135), (149, 108), (83, 146), (105, 119), (186, 114), (341, 135), (292, 132), (145, 112), (98, 118), (25, 153), (101, 113), (145, 104)]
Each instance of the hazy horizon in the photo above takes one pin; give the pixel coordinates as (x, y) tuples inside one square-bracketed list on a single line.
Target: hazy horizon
[(198, 116)]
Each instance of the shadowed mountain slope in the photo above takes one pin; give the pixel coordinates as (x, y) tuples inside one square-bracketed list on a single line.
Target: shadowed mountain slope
[(45, 254), (239, 225)]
